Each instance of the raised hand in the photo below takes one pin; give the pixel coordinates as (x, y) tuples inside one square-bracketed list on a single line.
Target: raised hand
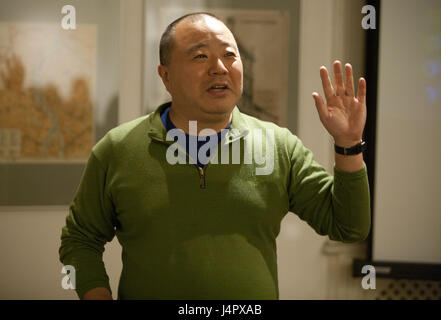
[(343, 115)]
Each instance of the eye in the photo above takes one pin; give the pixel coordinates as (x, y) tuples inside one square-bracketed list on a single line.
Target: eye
[(230, 54), (200, 56)]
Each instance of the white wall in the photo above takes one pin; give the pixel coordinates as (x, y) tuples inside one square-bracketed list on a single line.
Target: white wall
[(30, 237), (329, 30), (302, 266), (131, 59)]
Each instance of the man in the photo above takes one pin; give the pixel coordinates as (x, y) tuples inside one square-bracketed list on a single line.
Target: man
[(208, 231)]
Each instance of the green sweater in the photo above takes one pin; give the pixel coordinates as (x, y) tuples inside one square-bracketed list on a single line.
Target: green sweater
[(185, 235)]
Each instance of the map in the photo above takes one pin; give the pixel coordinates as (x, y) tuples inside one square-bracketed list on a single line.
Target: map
[(47, 85)]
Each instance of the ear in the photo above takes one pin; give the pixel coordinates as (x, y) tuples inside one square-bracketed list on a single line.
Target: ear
[(164, 74)]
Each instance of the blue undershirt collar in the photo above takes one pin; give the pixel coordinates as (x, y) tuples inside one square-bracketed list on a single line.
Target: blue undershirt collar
[(168, 124)]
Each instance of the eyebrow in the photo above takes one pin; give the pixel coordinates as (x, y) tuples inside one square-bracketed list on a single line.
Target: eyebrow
[(204, 45)]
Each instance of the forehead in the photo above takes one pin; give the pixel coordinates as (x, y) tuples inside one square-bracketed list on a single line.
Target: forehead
[(205, 29)]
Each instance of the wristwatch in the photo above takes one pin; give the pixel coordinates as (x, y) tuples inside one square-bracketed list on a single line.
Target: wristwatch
[(350, 151)]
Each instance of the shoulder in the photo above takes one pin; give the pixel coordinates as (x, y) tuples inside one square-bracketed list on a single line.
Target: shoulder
[(126, 130), (283, 137), (121, 137)]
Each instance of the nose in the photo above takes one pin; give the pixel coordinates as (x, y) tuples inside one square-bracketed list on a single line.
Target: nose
[(217, 67)]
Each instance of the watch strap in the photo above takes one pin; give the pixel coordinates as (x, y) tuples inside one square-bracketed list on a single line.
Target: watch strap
[(350, 151)]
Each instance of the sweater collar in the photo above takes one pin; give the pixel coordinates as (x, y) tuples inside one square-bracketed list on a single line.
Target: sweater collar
[(156, 131)]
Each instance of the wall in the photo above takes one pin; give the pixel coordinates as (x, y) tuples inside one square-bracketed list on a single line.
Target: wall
[(30, 239), (310, 266)]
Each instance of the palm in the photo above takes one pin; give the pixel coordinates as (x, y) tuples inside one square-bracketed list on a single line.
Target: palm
[(343, 115)]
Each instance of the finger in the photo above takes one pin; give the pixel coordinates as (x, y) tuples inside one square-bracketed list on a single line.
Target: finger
[(338, 76), (349, 80), (326, 83), (320, 105), (361, 94)]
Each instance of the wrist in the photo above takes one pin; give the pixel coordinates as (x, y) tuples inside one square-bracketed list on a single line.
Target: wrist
[(346, 143), (351, 150), (349, 164)]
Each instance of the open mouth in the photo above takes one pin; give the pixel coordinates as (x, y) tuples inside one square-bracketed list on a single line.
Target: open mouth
[(218, 88)]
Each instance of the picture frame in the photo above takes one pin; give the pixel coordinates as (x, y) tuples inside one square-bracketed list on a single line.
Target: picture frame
[(52, 178)]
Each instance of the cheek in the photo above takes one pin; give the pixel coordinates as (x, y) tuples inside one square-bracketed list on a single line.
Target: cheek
[(192, 78), (237, 73), (184, 83)]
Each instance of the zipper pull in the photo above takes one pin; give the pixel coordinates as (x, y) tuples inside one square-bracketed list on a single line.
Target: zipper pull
[(201, 178)]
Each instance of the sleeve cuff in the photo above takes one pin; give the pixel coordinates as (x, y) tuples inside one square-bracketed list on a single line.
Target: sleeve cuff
[(81, 291), (350, 175)]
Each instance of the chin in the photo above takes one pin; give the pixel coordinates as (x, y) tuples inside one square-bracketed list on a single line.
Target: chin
[(220, 108)]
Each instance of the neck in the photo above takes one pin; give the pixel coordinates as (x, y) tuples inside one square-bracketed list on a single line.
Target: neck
[(215, 122)]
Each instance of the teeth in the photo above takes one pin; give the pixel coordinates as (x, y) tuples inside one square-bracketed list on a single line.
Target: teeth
[(219, 87)]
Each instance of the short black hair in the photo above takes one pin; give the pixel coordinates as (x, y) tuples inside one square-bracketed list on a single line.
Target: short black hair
[(167, 40)]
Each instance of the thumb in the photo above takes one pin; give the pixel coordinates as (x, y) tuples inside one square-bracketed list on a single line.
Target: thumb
[(320, 105)]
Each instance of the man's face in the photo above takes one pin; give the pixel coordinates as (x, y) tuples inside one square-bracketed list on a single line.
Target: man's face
[(204, 73)]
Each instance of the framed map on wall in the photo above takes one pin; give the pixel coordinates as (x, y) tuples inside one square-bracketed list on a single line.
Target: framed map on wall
[(47, 98), (47, 89), (59, 95)]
